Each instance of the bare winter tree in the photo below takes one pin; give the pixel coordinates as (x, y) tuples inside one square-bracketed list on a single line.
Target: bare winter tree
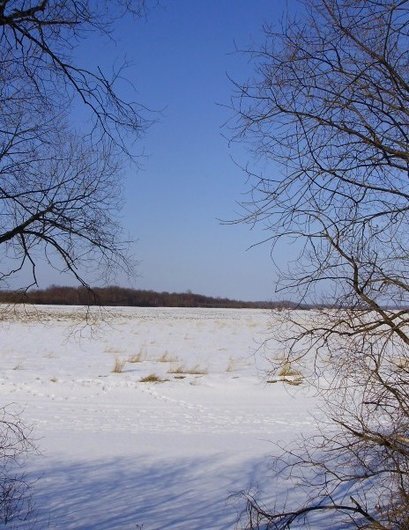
[(59, 184), (59, 188), (329, 107), (59, 199), (15, 500)]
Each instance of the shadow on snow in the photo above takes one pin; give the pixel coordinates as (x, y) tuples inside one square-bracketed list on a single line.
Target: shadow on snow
[(124, 493)]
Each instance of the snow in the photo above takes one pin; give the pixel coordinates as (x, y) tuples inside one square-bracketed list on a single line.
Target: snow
[(115, 452)]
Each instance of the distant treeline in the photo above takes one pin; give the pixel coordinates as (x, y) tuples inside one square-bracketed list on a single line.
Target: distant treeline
[(120, 296)]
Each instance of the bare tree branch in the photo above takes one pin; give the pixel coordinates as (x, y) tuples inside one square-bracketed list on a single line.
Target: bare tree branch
[(329, 105)]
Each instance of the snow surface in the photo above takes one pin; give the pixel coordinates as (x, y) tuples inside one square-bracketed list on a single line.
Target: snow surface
[(115, 452)]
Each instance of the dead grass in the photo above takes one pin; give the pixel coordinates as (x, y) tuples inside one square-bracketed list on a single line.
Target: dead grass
[(293, 382), (287, 370), (289, 375), (195, 370), (137, 358), (151, 378), (166, 358), (119, 365), (296, 381)]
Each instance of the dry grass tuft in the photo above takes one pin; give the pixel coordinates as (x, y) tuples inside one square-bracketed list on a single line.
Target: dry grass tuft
[(287, 370), (166, 358), (195, 370), (151, 378), (288, 374), (137, 358), (118, 366)]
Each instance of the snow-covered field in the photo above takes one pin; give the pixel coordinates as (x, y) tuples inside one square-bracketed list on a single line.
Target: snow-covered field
[(117, 452)]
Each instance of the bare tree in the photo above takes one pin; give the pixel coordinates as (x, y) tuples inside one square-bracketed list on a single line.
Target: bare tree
[(15, 443), (37, 40), (60, 198), (329, 107), (60, 187)]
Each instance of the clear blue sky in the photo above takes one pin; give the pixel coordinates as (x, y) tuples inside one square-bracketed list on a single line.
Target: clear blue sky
[(181, 56)]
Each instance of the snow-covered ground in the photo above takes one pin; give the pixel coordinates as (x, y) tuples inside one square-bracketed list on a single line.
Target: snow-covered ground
[(117, 452)]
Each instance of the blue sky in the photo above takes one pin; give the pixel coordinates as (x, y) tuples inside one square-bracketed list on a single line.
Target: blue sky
[(180, 59)]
